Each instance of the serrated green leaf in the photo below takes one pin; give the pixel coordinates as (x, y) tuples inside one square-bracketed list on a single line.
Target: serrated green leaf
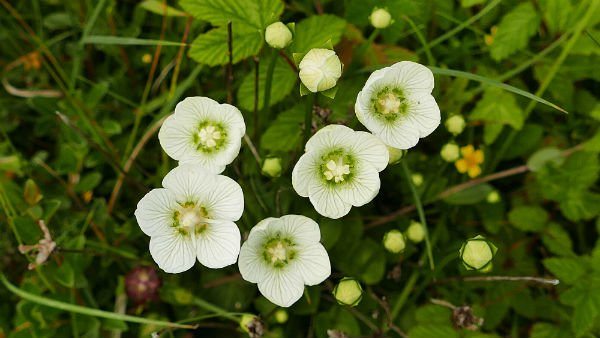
[(528, 218), (540, 158), (284, 80), (514, 31), (316, 31), (470, 195), (577, 174), (257, 14), (433, 331), (580, 205), (557, 240), (211, 48), (498, 107), (285, 132), (556, 14), (567, 269), (546, 330), (160, 8)]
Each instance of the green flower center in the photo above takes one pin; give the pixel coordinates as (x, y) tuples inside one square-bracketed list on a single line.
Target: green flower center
[(336, 167), (279, 251), (190, 218), (389, 103), (209, 137)]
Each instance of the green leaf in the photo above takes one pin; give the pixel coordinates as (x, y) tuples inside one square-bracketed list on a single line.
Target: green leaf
[(580, 205), (470, 195), (285, 133), (542, 157), (593, 144), (125, 41), (160, 8), (528, 218), (433, 331), (567, 269), (557, 240), (498, 107), (284, 79), (578, 173), (514, 31), (257, 14), (545, 330), (316, 31), (556, 14), (211, 48)]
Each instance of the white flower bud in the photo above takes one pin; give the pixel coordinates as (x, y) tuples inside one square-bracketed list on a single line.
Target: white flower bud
[(493, 197), (278, 35), (272, 167), (395, 154), (415, 232), (477, 253), (320, 69), (348, 292), (455, 124), (380, 18), (450, 152), (394, 241), (417, 179)]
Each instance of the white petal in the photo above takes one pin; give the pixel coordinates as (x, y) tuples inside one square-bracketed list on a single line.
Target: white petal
[(412, 77), (282, 287), (369, 148), (224, 199), (154, 212), (326, 200), (197, 106), (173, 252), (311, 77), (215, 162), (219, 245), (330, 136), (233, 119), (425, 114), (251, 263), (176, 137), (301, 228), (313, 264), (188, 182), (402, 135), (305, 171), (363, 186)]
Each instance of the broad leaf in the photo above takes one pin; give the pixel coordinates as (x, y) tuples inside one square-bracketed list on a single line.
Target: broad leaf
[(514, 31), (316, 31), (257, 14), (211, 48)]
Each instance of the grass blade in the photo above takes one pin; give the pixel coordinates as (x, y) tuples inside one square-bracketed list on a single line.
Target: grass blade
[(125, 41)]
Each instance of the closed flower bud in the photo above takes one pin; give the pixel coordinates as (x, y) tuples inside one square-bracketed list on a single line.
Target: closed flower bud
[(348, 292), (395, 154), (320, 69), (394, 241), (415, 232), (142, 284), (380, 18), (493, 197), (417, 179), (272, 167), (455, 124), (450, 152), (252, 325), (477, 253), (278, 35), (281, 316)]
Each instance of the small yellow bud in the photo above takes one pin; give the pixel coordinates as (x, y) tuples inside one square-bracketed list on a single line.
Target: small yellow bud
[(477, 253), (348, 292), (147, 58), (455, 124), (380, 18), (320, 69), (278, 35), (251, 323), (394, 241), (417, 179), (450, 152), (415, 232), (272, 167), (493, 197), (281, 316), (395, 154)]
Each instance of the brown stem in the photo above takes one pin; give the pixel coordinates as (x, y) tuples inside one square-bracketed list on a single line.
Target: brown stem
[(288, 60)]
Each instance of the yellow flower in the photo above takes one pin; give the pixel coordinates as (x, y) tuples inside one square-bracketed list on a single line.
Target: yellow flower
[(470, 161)]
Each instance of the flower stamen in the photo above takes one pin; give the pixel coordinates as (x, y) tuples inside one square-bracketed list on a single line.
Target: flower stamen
[(335, 170), (208, 136)]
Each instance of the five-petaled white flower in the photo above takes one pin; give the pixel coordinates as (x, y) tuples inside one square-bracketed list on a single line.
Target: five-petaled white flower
[(192, 217), (396, 104), (340, 169), (204, 132), (282, 255)]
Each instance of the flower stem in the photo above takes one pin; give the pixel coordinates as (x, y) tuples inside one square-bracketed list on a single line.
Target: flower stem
[(308, 117), (215, 309), (419, 207), (85, 310)]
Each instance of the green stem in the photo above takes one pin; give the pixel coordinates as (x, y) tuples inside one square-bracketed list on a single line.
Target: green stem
[(308, 117), (419, 207), (549, 76), (412, 280), (85, 310), (430, 58), (216, 310)]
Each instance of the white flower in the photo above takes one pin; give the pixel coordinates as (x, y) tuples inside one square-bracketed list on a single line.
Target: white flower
[(278, 35), (380, 18), (320, 69), (282, 255), (396, 104), (203, 132), (192, 217), (340, 169)]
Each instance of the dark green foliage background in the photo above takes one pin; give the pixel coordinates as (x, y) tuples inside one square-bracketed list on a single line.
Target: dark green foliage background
[(63, 168)]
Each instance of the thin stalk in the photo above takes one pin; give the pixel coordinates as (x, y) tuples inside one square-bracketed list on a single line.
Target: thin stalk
[(308, 117), (410, 284), (268, 84), (256, 95), (83, 310), (215, 309), (421, 212), (430, 58)]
